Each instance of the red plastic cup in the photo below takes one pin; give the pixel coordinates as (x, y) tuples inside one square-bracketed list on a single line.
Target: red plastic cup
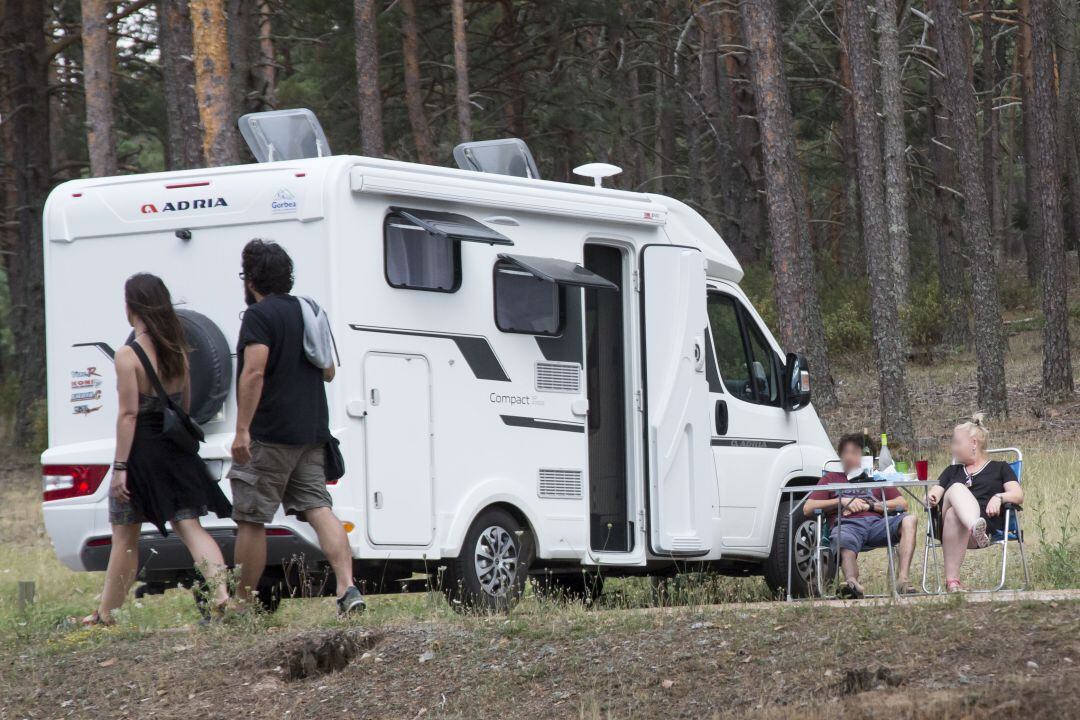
[(922, 469)]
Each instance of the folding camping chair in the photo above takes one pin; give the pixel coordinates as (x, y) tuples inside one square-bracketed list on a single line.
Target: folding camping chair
[(1011, 533)]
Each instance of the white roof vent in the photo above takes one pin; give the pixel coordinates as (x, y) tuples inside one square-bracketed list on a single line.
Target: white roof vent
[(284, 135), (597, 171)]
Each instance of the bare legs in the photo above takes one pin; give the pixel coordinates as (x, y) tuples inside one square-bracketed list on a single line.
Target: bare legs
[(960, 510), (250, 557), (120, 573), (908, 527), (207, 556), (251, 550), (334, 543), (849, 561)]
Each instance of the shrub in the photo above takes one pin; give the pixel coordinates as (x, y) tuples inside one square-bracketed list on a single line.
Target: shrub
[(924, 321)]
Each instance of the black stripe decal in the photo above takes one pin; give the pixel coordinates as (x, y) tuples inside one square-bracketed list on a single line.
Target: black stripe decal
[(750, 443), (538, 424), (103, 347), (475, 349)]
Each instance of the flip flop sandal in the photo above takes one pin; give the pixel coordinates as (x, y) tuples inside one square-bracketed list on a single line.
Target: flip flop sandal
[(850, 592), (954, 586), (94, 619)]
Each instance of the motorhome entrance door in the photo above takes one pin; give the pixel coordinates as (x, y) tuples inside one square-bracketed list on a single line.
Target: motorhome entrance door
[(398, 449), (681, 486)]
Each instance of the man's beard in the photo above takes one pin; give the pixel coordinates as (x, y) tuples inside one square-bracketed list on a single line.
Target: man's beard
[(249, 297)]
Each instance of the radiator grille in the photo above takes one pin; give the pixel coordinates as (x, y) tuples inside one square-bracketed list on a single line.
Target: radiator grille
[(565, 484), (558, 377)]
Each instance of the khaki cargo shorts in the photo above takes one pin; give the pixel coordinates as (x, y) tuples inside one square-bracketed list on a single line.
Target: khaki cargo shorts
[(289, 475)]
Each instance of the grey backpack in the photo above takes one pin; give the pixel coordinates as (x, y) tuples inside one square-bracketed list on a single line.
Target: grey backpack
[(319, 345)]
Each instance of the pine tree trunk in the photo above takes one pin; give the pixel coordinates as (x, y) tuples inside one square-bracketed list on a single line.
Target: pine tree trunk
[(1032, 229), (414, 94), (97, 82), (461, 72), (894, 143), (266, 65), (184, 149), (884, 289), (990, 122), (1068, 52), (952, 271), (851, 246), (210, 35), (665, 100), (955, 60), (25, 109), (794, 279), (1057, 366), (366, 20)]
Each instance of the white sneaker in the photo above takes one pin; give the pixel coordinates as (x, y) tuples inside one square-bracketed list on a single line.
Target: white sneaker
[(978, 533)]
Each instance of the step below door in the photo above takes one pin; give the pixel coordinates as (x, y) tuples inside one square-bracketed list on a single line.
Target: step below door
[(398, 440)]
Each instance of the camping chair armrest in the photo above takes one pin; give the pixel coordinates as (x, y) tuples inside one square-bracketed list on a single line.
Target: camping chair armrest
[(818, 512), (1015, 507)]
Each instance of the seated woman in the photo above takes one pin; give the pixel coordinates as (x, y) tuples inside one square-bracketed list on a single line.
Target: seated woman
[(970, 495)]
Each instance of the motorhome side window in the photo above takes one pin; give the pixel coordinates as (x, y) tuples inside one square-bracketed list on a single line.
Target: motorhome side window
[(748, 367), (418, 259), (525, 303)]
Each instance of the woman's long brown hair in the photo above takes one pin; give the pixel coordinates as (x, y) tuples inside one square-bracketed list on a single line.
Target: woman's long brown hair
[(149, 299)]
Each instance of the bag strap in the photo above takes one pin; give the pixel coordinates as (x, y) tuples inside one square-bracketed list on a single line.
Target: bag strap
[(151, 373)]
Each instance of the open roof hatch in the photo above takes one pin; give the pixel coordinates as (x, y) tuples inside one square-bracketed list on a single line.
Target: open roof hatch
[(284, 135), (508, 156), (558, 271)]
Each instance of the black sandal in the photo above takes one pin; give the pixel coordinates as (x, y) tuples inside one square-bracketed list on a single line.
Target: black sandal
[(848, 591)]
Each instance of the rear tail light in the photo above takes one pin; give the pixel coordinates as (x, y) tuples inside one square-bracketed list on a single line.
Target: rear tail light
[(68, 481)]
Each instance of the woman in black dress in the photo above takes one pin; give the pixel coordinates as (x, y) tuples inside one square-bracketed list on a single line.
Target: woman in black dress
[(970, 494), (153, 479)]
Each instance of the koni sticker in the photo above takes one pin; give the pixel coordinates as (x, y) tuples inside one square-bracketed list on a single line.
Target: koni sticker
[(80, 383)]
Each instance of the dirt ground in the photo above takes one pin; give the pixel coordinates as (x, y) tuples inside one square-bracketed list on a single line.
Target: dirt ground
[(948, 660)]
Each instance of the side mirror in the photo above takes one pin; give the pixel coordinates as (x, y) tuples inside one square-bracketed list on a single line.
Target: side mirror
[(796, 382)]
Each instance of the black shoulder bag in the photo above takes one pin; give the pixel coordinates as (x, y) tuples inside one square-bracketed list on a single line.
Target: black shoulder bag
[(177, 425)]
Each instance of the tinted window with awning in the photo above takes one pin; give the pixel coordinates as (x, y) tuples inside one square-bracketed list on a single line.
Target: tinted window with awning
[(529, 292), (452, 225)]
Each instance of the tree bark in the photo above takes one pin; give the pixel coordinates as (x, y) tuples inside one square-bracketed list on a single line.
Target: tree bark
[(990, 74), (954, 56), (1057, 366), (461, 72), (25, 109), (1032, 228), (366, 20), (952, 268), (665, 101), (210, 37), (884, 289), (414, 94), (97, 82), (1068, 51), (894, 143), (794, 279), (184, 147)]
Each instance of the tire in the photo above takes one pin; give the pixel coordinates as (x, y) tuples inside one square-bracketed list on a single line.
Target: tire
[(476, 580), (269, 594), (211, 364), (804, 538), (585, 585)]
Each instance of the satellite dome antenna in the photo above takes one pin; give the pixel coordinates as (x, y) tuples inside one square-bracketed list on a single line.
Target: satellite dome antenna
[(597, 171)]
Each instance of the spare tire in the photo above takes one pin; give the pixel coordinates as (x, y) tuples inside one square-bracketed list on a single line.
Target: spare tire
[(211, 364)]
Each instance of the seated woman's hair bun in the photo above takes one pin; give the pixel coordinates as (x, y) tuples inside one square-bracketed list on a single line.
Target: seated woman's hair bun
[(979, 419)]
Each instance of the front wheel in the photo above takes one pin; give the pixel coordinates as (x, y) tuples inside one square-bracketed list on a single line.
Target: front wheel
[(803, 548), (489, 574)]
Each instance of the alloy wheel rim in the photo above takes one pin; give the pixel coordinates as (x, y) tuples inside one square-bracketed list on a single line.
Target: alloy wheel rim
[(496, 561)]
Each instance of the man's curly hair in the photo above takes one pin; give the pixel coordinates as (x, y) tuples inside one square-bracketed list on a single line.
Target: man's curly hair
[(267, 267)]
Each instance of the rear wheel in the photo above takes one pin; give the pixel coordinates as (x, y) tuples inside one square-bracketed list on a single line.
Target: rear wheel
[(803, 567), (490, 573)]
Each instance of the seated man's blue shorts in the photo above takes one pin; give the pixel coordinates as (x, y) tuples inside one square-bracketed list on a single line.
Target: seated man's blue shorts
[(864, 533)]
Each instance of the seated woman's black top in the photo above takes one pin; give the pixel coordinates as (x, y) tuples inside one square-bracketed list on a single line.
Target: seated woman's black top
[(984, 484)]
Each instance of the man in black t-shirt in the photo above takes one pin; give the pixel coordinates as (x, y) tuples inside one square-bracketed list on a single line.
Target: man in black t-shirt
[(282, 426)]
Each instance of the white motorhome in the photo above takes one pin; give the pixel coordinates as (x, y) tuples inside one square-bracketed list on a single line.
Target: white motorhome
[(535, 376)]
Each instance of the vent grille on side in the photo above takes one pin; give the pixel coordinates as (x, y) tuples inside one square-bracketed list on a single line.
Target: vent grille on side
[(564, 484), (558, 377), (685, 544)]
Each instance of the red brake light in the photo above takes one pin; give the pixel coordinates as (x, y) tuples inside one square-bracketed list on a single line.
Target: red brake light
[(68, 481)]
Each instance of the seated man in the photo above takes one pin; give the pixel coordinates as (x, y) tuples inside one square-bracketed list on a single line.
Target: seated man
[(863, 525)]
